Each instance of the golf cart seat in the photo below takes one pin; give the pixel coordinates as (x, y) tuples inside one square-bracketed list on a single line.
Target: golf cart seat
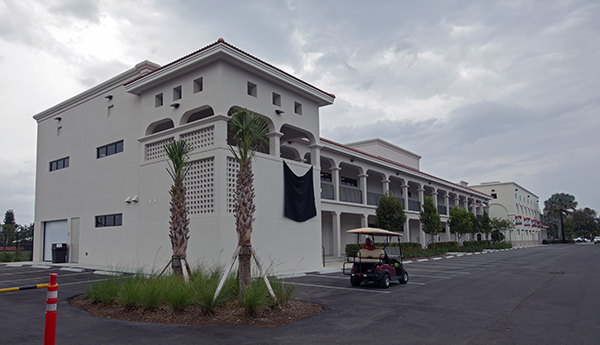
[(370, 256)]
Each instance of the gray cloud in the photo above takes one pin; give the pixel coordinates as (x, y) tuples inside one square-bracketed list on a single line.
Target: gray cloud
[(82, 9)]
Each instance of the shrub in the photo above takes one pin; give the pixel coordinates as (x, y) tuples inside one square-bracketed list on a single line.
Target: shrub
[(104, 292), (152, 293), (447, 246), (254, 298)]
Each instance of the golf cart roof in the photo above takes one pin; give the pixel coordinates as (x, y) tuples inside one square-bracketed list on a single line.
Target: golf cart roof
[(374, 232)]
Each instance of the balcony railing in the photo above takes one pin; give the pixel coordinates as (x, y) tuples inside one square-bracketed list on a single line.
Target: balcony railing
[(350, 195), (326, 191), (442, 209), (373, 198), (414, 205)]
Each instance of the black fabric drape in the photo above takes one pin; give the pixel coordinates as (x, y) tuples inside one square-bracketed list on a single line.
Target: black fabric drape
[(299, 195)]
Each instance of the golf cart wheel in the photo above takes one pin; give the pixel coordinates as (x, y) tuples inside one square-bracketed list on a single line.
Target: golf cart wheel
[(355, 281), (404, 278), (385, 281)]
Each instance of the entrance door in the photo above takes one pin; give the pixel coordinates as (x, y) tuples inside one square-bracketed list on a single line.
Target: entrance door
[(74, 248), (54, 232)]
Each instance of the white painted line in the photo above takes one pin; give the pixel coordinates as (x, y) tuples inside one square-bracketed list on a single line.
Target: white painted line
[(459, 255), (415, 283), (477, 253), (71, 269), (450, 257), (323, 276), (436, 259), (41, 266), (290, 275), (14, 265), (421, 260), (469, 254), (108, 273), (407, 262), (343, 288)]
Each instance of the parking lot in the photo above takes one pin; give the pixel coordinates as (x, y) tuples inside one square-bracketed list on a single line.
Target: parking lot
[(539, 295)]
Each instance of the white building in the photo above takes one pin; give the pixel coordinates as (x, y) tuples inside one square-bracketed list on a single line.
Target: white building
[(517, 204), (101, 184)]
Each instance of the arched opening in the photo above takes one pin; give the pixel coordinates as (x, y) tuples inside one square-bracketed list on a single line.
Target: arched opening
[(159, 126), (197, 114)]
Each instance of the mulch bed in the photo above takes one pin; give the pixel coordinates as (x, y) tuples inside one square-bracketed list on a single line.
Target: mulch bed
[(294, 310)]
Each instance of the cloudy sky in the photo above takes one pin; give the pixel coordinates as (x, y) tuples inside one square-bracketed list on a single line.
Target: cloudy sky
[(483, 91)]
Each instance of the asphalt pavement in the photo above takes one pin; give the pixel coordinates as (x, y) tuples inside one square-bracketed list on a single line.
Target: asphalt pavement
[(538, 295)]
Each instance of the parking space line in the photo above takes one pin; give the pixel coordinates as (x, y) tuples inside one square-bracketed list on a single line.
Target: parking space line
[(327, 276), (413, 283), (342, 288), (71, 269), (41, 266)]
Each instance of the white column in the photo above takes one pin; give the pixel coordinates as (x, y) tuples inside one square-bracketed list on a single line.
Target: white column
[(363, 187), (274, 140), (364, 220), (315, 154), (405, 196), (335, 178), (421, 198), (434, 195), (447, 201), (337, 233), (386, 185)]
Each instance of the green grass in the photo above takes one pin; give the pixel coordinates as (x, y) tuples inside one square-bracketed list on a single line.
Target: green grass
[(152, 292)]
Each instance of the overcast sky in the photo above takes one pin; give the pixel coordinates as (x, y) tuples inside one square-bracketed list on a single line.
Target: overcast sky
[(483, 91)]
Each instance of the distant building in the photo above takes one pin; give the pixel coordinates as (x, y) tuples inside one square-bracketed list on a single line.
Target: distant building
[(102, 185), (513, 202)]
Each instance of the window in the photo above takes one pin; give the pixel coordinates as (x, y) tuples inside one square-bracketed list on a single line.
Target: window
[(494, 195), (177, 93), (110, 110), (198, 85), (298, 108), (349, 181), (109, 149), (59, 164), (109, 220), (276, 99), (252, 89), (326, 177), (158, 100)]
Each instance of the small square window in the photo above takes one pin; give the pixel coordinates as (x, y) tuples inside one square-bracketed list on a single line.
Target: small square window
[(177, 93), (111, 149), (276, 99), (53, 165), (110, 110), (198, 87), (101, 152), (298, 108), (158, 100), (119, 147), (110, 220), (252, 89), (118, 219)]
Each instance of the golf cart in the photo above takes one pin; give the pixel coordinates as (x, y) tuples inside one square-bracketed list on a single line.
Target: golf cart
[(375, 265)]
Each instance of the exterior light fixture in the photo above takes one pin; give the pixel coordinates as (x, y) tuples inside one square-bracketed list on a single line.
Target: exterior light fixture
[(175, 105), (58, 118), (109, 97), (279, 111)]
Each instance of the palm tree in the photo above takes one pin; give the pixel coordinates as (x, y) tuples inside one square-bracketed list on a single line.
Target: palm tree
[(559, 205), (179, 232), (249, 132)]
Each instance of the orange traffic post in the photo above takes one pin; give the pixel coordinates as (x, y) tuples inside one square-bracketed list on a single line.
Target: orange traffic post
[(51, 301)]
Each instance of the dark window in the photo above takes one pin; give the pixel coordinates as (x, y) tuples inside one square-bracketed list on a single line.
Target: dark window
[(252, 89), (297, 108), (349, 181), (325, 177), (158, 100), (59, 164), (109, 149), (494, 195), (109, 220), (276, 99), (198, 85)]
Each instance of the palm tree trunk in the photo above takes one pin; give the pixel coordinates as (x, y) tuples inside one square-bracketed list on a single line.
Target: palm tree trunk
[(244, 210), (179, 225)]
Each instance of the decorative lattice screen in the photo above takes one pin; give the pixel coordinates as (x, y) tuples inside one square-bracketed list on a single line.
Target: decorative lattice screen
[(232, 170), (201, 138), (199, 183), (155, 150)]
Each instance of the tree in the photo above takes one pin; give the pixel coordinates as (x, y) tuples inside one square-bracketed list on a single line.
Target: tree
[(500, 226), (430, 219), (486, 225), (460, 222), (179, 232), (560, 205), (249, 132), (9, 227), (475, 225), (389, 214), (584, 222)]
